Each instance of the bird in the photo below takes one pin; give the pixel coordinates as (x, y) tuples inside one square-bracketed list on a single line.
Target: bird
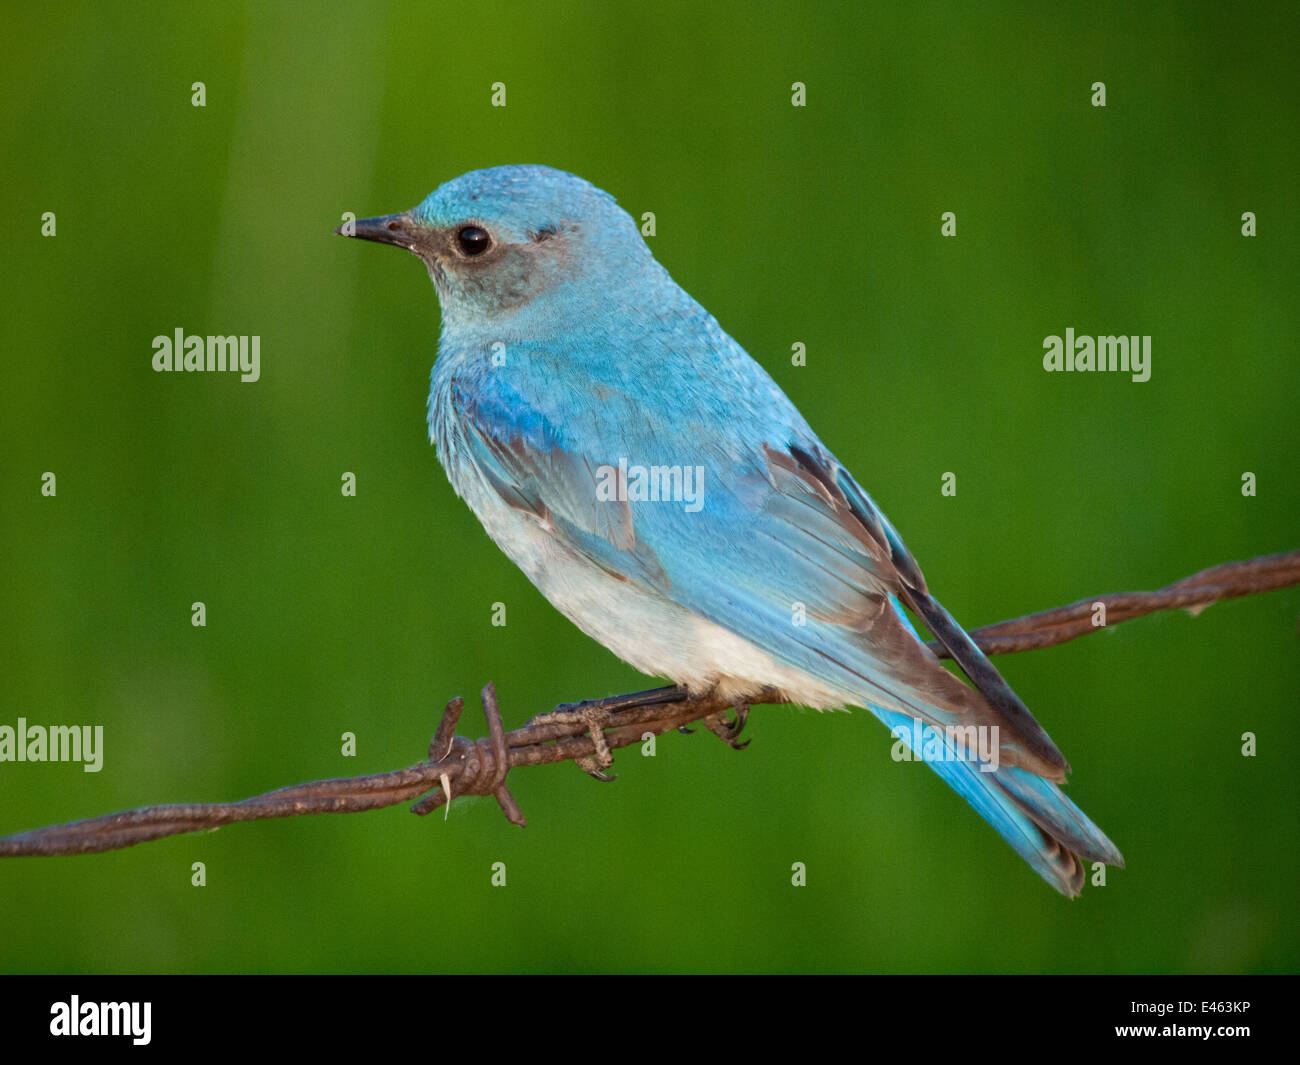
[(658, 487)]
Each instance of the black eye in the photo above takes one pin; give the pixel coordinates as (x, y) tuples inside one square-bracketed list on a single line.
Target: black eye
[(473, 240)]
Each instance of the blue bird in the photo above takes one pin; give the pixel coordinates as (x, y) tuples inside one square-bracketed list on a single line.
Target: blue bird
[(662, 492)]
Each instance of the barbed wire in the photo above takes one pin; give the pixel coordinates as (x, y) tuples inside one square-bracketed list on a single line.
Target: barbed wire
[(587, 732)]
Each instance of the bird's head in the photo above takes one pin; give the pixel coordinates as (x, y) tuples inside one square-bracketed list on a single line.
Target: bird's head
[(496, 240)]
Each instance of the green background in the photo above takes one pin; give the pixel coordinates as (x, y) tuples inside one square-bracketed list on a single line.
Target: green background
[(820, 225)]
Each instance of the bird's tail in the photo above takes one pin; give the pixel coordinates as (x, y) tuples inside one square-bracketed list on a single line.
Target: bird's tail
[(1031, 813)]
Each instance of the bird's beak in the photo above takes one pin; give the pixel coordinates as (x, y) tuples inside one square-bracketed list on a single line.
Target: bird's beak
[(399, 230)]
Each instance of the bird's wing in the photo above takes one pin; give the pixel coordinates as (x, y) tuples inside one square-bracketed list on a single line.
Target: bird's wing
[(855, 510), (785, 550)]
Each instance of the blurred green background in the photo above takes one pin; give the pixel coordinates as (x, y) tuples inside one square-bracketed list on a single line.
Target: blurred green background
[(821, 225)]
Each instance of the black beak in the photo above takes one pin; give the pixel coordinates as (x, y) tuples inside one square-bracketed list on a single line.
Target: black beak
[(396, 229)]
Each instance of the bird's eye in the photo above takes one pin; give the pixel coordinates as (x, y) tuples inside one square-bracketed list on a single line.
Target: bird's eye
[(473, 240)]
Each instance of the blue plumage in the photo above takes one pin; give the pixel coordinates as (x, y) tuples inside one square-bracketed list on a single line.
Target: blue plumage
[(664, 494)]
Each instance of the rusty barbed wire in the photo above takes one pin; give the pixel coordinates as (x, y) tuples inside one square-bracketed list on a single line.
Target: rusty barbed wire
[(588, 731)]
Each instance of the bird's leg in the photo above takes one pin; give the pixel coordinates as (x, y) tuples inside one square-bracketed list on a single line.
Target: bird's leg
[(729, 731), (595, 714), (597, 718)]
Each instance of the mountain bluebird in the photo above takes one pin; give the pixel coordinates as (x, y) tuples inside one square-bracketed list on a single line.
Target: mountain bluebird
[(662, 492)]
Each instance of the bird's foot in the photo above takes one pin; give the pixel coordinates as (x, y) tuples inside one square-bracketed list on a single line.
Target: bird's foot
[(595, 717), (729, 731)]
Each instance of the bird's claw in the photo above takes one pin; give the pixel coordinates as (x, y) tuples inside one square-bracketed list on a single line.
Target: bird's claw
[(729, 731), (589, 766)]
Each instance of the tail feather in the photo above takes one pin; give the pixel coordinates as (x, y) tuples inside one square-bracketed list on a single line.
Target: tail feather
[(1032, 814), (1029, 811), (1045, 804)]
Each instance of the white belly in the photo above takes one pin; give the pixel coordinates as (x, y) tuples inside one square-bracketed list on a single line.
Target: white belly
[(644, 629)]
